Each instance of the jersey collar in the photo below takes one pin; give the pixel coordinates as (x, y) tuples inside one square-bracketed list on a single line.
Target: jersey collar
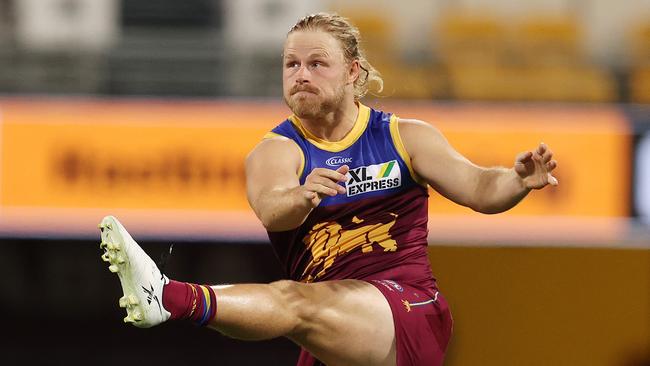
[(335, 146)]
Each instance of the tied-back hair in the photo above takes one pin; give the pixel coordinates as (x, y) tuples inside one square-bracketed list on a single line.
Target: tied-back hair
[(349, 37)]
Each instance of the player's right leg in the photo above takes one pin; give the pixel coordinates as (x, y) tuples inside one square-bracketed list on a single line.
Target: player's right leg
[(347, 322), (341, 322)]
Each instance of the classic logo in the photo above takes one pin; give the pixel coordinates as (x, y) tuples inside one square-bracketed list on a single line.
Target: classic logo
[(372, 178), (338, 160)]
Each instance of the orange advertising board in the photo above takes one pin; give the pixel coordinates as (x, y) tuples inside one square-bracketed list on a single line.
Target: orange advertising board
[(151, 159), (143, 156)]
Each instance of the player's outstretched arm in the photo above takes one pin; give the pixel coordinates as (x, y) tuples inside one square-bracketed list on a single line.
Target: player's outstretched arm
[(486, 190), (273, 187)]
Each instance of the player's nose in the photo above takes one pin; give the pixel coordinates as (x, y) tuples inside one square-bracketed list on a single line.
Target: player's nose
[(303, 75)]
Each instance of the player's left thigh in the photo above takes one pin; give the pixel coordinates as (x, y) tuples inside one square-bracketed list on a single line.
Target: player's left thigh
[(347, 322)]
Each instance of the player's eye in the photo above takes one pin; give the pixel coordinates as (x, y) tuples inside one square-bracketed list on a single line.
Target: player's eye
[(291, 64)]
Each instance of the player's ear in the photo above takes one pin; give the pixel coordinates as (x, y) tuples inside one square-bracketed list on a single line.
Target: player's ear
[(354, 71)]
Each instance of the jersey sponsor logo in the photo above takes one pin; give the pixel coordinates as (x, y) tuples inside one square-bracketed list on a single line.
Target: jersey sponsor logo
[(373, 178), (338, 160)]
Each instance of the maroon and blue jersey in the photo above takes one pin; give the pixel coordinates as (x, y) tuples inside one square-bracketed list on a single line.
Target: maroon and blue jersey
[(378, 228)]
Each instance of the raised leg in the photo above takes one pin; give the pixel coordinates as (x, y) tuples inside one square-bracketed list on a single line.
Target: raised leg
[(346, 323)]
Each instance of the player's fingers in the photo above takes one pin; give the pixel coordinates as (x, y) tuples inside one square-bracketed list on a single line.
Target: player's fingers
[(329, 173), (327, 183), (524, 157), (552, 180), (324, 191), (343, 169), (548, 155), (329, 190), (541, 148), (310, 195), (321, 189), (551, 165)]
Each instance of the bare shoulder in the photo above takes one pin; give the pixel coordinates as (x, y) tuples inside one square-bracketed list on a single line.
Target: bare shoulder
[(416, 134), (274, 146), (275, 152), (414, 126), (412, 122)]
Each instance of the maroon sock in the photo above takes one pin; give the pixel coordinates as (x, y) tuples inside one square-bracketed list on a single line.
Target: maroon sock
[(183, 300)]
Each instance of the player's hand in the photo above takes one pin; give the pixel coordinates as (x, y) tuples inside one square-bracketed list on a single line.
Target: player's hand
[(535, 167), (322, 182)]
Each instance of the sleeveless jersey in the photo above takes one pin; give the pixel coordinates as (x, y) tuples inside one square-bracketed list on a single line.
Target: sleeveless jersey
[(378, 228)]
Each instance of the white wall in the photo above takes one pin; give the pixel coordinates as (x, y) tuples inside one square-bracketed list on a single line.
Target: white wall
[(609, 25), (91, 25), (255, 25)]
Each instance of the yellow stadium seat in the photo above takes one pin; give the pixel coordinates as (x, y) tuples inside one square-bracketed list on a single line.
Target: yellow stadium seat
[(548, 41), (579, 83), (468, 39), (405, 81), (376, 32), (640, 45), (640, 84), (639, 77), (521, 83)]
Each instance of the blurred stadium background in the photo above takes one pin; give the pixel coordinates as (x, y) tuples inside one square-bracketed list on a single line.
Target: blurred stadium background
[(146, 109)]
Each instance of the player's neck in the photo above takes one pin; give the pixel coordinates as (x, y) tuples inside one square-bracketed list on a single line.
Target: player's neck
[(335, 125)]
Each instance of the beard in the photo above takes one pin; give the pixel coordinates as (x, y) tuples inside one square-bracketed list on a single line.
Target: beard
[(313, 105)]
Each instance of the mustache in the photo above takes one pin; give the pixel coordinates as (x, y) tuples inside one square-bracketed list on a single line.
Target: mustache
[(304, 87)]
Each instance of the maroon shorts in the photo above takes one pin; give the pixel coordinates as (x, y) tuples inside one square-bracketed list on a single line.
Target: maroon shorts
[(422, 320)]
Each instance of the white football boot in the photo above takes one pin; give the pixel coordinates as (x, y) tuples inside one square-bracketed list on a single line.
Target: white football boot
[(141, 280)]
